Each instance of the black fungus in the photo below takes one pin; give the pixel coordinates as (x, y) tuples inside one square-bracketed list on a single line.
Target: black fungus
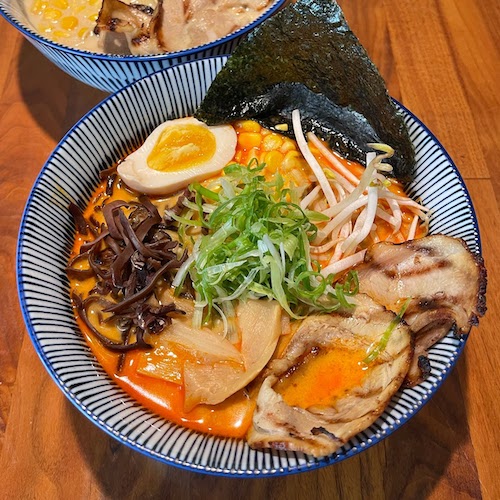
[(129, 257)]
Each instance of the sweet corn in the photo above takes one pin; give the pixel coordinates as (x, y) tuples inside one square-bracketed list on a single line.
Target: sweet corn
[(69, 22), (83, 32), (300, 178), (249, 140), (51, 14), (277, 152), (38, 7), (273, 160), (288, 145), (292, 161), (248, 126), (60, 4), (272, 142)]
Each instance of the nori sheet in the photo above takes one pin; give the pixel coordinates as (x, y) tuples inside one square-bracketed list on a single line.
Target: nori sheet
[(306, 57)]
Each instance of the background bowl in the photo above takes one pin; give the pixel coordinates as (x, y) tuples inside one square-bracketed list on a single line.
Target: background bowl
[(113, 72), (121, 123)]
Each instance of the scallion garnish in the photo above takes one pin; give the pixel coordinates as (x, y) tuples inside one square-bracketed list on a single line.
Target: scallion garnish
[(257, 246), (374, 353)]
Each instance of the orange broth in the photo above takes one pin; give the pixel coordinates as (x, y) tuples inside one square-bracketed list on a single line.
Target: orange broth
[(232, 417)]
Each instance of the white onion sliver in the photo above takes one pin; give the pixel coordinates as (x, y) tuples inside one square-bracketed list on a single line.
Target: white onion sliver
[(345, 231), (413, 228), (323, 248), (344, 264), (309, 198), (396, 212), (341, 218), (364, 182), (344, 183), (382, 214), (336, 163), (311, 160), (356, 238)]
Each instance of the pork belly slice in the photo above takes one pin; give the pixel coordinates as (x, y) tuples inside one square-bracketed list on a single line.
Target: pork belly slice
[(446, 283), (137, 22), (322, 390)]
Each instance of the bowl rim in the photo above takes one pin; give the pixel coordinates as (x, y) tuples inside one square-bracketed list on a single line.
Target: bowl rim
[(102, 425), (32, 35)]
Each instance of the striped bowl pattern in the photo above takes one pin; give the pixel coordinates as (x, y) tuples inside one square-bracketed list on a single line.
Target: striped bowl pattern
[(107, 133), (110, 73)]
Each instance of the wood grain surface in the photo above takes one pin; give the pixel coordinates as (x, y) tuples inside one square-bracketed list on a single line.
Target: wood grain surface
[(441, 59)]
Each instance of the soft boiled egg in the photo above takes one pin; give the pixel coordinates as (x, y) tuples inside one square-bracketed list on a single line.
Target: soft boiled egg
[(177, 153)]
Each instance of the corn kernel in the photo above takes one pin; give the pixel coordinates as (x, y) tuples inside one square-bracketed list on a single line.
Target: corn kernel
[(292, 161), (44, 28), (83, 32), (271, 142), (94, 2), (51, 14), (283, 127), (249, 126), (249, 140), (300, 178), (93, 17), (60, 4), (38, 7), (273, 160), (69, 22), (288, 145)]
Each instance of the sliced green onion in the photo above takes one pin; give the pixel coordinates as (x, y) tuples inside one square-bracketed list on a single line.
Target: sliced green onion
[(257, 246), (374, 353)]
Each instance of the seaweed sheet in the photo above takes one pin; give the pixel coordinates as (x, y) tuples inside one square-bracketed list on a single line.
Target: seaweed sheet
[(306, 57)]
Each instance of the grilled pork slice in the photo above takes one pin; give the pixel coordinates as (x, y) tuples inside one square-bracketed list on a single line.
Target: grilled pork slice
[(333, 379), (138, 22), (446, 283)]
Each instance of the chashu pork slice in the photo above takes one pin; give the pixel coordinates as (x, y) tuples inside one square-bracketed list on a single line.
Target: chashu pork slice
[(137, 22), (323, 389), (446, 284)]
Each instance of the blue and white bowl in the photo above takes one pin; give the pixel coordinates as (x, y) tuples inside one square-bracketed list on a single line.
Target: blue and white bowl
[(113, 72), (121, 123)]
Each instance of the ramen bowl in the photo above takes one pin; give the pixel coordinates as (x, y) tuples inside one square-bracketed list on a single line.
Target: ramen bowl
[(117, 125), (109, 72)]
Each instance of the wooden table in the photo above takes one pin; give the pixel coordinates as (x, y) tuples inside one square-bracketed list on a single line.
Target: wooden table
[(441, 59)]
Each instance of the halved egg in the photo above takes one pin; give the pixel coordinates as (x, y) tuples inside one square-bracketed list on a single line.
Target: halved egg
[(177, 153)]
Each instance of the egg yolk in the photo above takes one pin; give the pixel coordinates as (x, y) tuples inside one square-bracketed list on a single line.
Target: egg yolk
[(323, 378), (181, 147)]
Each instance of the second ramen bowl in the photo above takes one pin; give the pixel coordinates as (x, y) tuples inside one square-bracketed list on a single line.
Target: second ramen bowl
[(109, 72)]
